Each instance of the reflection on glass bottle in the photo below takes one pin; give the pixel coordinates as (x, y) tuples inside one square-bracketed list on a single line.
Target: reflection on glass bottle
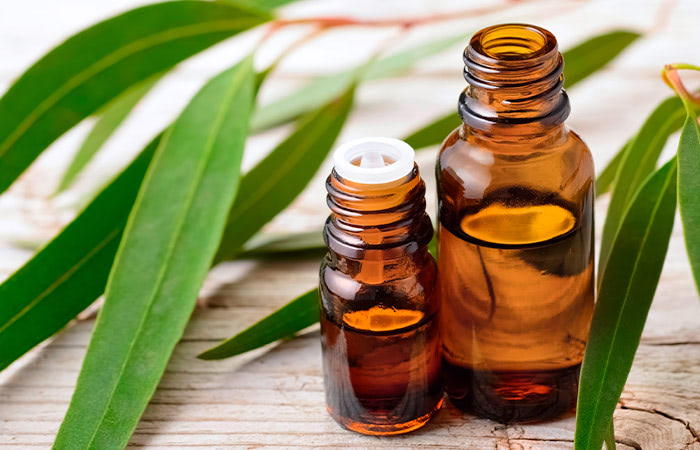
[(379, 326), (515, 244)]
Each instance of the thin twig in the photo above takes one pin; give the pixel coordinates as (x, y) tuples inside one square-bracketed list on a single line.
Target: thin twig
[(673, 80), (343, 21)]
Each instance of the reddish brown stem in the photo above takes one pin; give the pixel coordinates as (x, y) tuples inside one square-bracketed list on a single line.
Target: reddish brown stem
[(341, 21), (673, 80)]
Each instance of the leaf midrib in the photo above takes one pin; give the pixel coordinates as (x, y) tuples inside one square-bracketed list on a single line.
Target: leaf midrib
[(209, 144), (110, 59), (53, 286), (652, 143), (647, 231)]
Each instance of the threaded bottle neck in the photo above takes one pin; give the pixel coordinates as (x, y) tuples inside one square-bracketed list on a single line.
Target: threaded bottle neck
[(388, 219), (515, 80)]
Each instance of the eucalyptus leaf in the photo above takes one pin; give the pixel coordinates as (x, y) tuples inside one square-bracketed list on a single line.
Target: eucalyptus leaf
[(626, 290), (610, 438), (689, 188), (638, 162), (287, 245), (67, 275), (323, 89), (277, 180), (581, 61), (109, 120), (169, 242), (81, 75), (71, 272), (606, 179), (593, 54), (435, 132), (296, 315)]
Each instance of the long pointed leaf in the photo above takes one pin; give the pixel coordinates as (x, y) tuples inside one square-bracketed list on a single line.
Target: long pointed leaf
[(168, 245), (606, 179), (272, 185), (689, 188), (581, 61), (68, 274), (324, 89), (296, 315), (109, 120), (288, 245), (637, 163), (71, 272), (626, 291), (593, 54), (84, 73)]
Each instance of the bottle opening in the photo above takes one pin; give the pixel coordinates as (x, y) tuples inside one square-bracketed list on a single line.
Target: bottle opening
[(374, 160), (513, 42)]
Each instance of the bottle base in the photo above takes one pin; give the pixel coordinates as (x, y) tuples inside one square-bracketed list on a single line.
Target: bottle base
[(383, 429), (512, 397)]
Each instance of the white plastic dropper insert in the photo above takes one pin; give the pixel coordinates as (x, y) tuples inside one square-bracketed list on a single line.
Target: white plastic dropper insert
[(381, 160)]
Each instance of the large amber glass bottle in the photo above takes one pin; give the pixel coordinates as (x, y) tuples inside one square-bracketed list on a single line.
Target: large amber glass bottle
[(515, 191), (378, 286)]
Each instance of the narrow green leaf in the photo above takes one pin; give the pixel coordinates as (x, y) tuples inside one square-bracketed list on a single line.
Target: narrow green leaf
[(68, 274), (84, 73), (323, 89), (71, 272), (637, 163), (288, 245), (296, 315), (626, 291), (277, 180), (593, 54), (610, 438), (581, 61), (606, 179), (435, 132), (166, 251), (109, 120), (689, 188)]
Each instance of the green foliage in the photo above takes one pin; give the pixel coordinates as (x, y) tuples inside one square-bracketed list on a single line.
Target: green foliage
[(186, 200), (68, 274), (282, 175), (309, 243), (689, 188), (595, 53), (324, 89), (638, 162), (581, 61), (606, 179), (168, 245), (289, 319), (78, 77), (627, 288), (109, 120)]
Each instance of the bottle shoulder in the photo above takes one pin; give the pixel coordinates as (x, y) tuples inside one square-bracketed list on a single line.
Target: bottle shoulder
[(399, 284)]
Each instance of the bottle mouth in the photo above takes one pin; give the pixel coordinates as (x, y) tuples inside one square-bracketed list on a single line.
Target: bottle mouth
[(374, 160), (511, 42)]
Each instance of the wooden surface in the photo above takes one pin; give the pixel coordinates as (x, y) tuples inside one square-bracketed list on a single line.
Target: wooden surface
[(274, 396)]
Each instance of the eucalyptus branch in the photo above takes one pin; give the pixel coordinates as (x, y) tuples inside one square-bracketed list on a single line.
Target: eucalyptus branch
[(673, 80)]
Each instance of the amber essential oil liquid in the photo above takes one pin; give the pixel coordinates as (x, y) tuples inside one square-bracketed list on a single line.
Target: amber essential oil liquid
[(382, 368), (516, 280)]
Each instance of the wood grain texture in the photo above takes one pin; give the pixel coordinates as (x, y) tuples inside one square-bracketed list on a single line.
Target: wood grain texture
[(274, 396)]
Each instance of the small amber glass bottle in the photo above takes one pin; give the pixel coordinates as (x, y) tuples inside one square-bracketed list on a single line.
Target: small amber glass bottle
[(515, 248), (379, 330)]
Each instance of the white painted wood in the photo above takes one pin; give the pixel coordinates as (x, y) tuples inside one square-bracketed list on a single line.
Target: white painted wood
[(273, 396)]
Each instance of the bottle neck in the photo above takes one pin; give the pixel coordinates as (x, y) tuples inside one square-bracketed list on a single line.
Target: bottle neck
[(515, 81), (377, 222)]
